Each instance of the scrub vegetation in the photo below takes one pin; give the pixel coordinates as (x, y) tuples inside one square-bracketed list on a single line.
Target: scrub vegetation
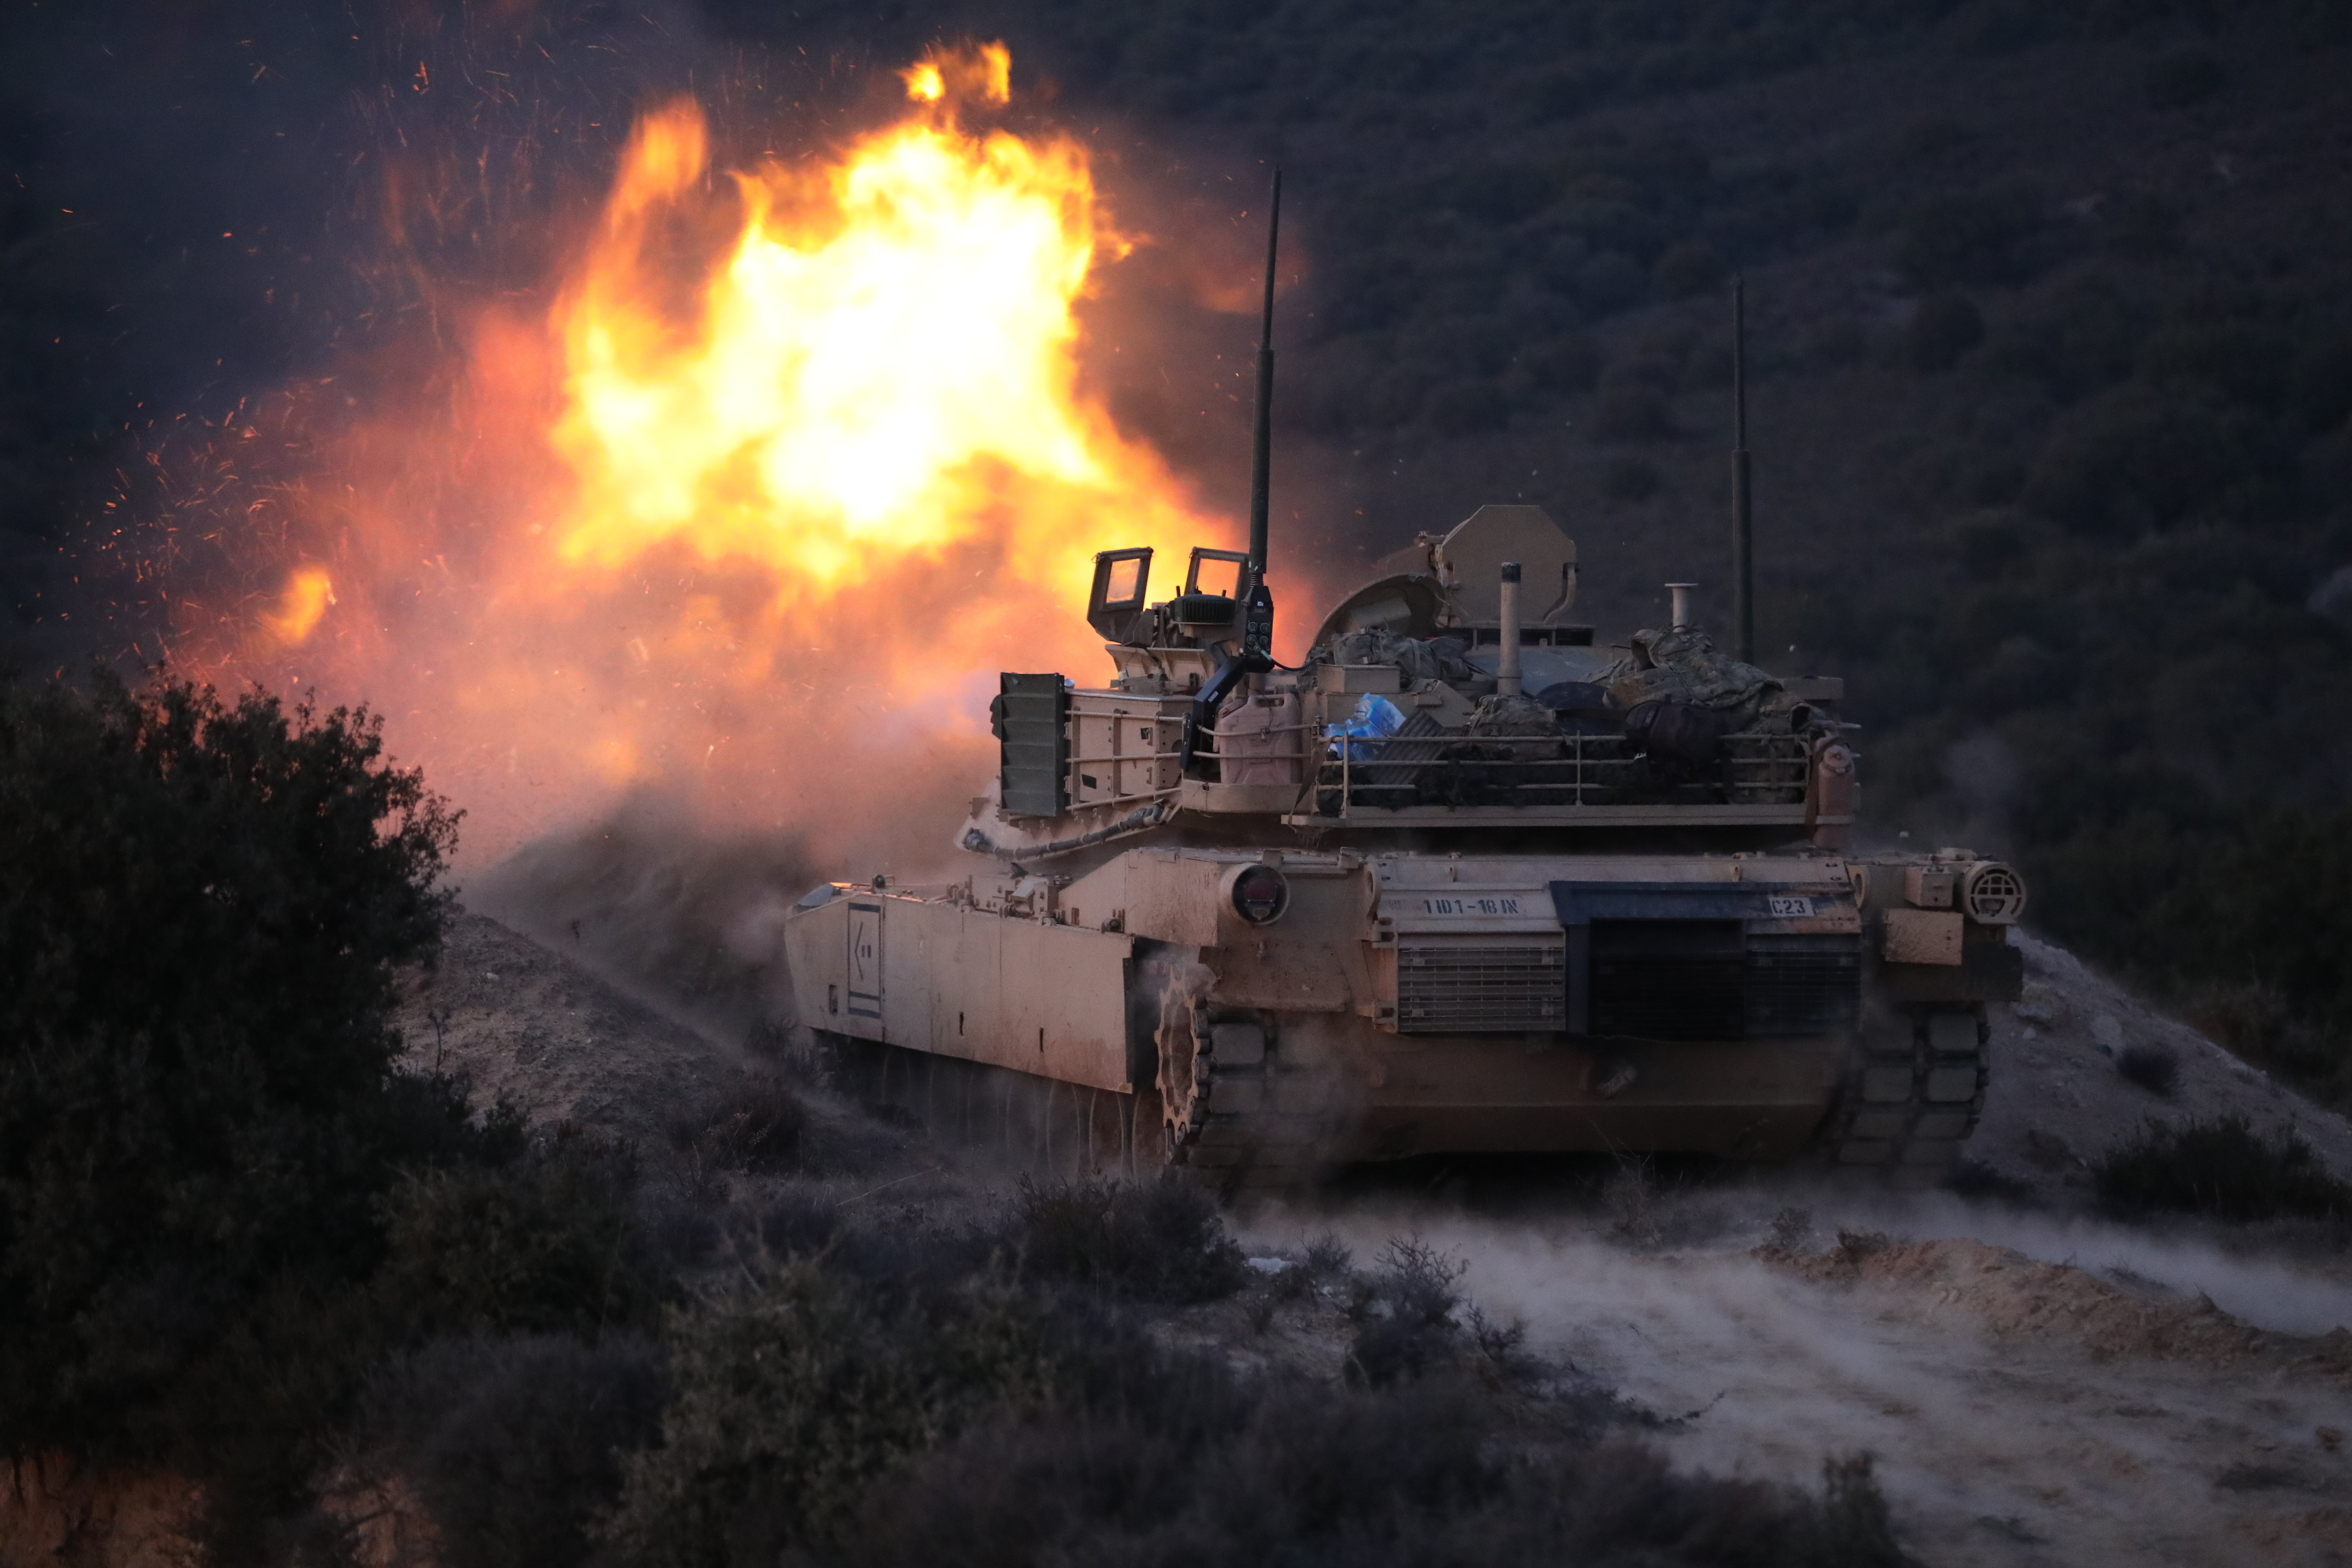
[(2222, 1169)]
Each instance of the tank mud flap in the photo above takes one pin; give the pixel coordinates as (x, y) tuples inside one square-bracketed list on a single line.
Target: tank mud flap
[(1905, 1106)]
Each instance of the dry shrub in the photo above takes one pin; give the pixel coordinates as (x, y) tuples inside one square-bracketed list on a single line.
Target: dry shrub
[(1315, 1475), (1144, 1241), (756, 1123), (2155, 1069), (1404, 1321), (2222, 1169)]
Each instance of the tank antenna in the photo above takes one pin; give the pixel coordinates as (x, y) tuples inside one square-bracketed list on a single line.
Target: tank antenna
[(1262, 446), (1743, 553), (1257, 604), (1255, 655)]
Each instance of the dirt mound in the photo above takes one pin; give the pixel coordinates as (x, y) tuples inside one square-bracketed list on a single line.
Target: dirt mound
[(2010, 1295), (2062, 1096)]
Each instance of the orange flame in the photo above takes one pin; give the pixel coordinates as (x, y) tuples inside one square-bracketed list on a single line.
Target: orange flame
[(885, 345), (984, 74), (308, 591), (797, 460)]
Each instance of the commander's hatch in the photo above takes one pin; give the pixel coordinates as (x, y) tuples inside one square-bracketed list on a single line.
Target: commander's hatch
[(1215, 582)]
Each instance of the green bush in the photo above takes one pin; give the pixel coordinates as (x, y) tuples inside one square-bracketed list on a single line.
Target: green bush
[(2138, 458), (514, 1447), (2183, 79), (1566, 364), (546, 1242), (1467, 408), (1943, 327), (201, 909), (1631, 411), (1967, 237), (1687, 269), (794, 1393), (1624, 477), (2222, 1169)]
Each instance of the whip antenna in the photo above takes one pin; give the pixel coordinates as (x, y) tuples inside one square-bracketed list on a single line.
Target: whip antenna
[(1743, 561), (1257, 606)]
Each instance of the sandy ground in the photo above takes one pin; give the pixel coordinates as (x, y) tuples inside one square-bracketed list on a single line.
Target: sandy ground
[(2020, 1411), (2039, 1385)]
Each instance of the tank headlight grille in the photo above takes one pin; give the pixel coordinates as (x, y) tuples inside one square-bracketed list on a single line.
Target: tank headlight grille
[(1472, 987), (1993, 894)]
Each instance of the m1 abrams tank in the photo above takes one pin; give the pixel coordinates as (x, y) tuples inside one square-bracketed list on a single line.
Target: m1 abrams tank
[(1463, 882)]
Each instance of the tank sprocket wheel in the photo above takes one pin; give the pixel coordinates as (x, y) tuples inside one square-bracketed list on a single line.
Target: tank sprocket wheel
[(1905, 1106), (1184, 1080)]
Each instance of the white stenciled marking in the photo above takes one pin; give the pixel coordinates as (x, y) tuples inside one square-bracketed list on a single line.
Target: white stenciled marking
[(1470, 906)]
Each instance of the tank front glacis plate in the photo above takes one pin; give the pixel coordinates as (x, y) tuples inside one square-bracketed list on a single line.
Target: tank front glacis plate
[(1500, 944)]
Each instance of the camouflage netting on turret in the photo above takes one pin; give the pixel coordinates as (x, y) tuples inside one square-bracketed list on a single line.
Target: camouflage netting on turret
[(1440, 658), (1502, 717), (1683, 667)]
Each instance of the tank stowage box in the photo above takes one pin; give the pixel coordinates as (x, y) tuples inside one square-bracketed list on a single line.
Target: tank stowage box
[(1464, 881)]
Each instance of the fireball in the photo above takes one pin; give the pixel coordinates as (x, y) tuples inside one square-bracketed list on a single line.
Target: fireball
[(795, 462)]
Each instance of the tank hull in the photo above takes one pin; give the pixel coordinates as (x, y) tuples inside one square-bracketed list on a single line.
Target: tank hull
[(1395, 1005)]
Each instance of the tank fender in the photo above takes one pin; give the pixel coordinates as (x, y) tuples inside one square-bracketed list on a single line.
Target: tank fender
[(939, 977), (1925, 942)]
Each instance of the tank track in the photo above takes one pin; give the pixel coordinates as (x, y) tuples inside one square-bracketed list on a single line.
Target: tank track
[(1906, 1105), (1236, 1125)]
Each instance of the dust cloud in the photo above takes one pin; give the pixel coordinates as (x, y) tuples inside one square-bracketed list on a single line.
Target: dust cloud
[(655, 901)]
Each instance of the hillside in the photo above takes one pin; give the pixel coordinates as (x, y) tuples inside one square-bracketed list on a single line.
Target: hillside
[(2051, 374)]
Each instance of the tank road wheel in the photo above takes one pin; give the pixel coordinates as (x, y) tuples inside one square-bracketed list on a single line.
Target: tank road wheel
[(1907, 1104)]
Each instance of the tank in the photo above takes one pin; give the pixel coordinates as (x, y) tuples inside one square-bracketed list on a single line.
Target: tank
[(1464, 881)]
